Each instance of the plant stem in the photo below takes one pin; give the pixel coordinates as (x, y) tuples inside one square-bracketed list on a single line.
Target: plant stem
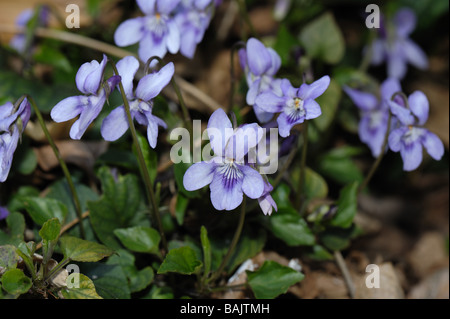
[(233, 244), (345, 272), (57, 268), (143, 167), (61, 163), (286, 165), (235, 46), (301, 179)]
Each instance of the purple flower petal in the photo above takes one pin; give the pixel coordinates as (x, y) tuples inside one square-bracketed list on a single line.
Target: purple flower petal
[(8, 145), (89, 76), (395, 138), (412, 155), (147, 6), (199, 175), (258, 58), (253, 92), (166, 6), (419, 106), (68, 108), (245, 138), (149, 47), (405, 22), (188, 44), (253, 183), (378, 49), (364, 101), (287, 89), (226, 188), (129, 32), (433, 145), (152, 84), (6, 118), (173, 37), (270, 102), (88, 115), (275, 62), (127, 68), (3, 212), (312, 109), (115, 124), (261, 115), (403, 114), (415, 55), (315, 89), (285, 125), (389, 87), (219, 131), (396, 66)]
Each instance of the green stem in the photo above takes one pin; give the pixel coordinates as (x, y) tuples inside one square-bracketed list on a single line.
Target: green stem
[(57, 268), (235, 46), (301, 179), (233, 244), (143, 167), (286, 165), (63, 165), (246, 17)]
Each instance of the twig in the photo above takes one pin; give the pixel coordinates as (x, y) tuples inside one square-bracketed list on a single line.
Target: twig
[(347, 278), (111, 50)]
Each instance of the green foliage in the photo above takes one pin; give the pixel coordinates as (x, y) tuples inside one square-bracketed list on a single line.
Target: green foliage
[(330, 48), (77, 249), (272, 280), (290, 227), (85, 291), (15, 282), (42, 209), (181, 260), (139, 239)]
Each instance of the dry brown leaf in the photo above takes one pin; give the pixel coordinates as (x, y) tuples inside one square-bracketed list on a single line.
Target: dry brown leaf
[(390, 287), (428, 254), (82, 154), (434, 286)]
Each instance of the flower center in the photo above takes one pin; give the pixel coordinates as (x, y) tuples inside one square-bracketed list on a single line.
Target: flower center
[(230, 173), (298, 103)]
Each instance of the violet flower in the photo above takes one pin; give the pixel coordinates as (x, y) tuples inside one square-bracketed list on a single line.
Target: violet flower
[(193, 18), (4, 212), (140, 101), (396, 48), (12, 125), (266, 201), (19, 41), (374, 112), (88, 106), (260, 65), (295, 105), (409, 138), (227, 173), (157, 32)]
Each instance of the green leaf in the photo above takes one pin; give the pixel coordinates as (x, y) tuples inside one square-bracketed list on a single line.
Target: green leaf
[(151, 160), (181, 260), (249, 245), (281, 196), (180, 208), (346, 206), (206, 245), (15, 282), (323, 39), (318, 252), (52, 56), (338, 165), (116, 208), (50, 230), (42, 209), (25, 160), (50, 233), (110, 280), (8, 257), (159, 293), (272, 280), (284, 44), (329, 102), (336, 239), (315, 185), (86, 290), (138, 279), (290, 227), (82, 250), (16, 225), (139, 239)]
